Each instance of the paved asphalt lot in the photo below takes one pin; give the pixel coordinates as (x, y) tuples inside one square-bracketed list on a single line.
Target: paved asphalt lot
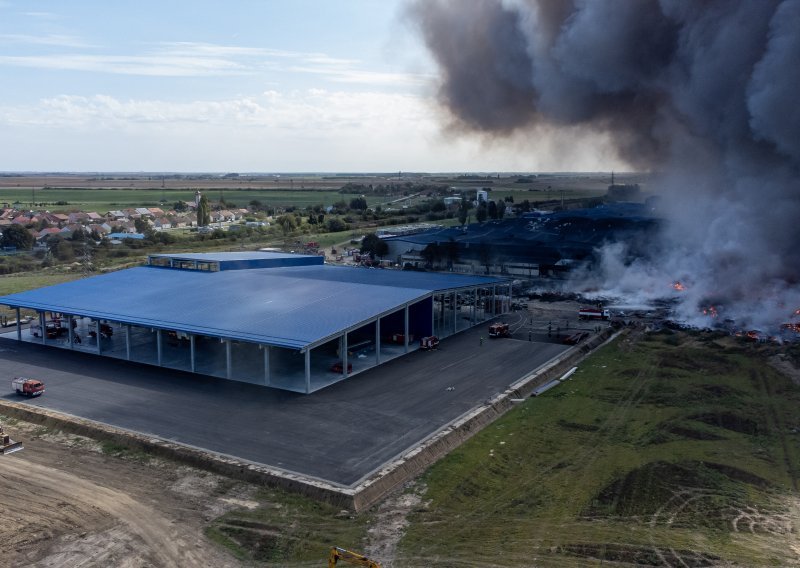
[(339, 434)]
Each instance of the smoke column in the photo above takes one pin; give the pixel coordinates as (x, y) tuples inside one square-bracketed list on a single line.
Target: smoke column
[(706, 94)]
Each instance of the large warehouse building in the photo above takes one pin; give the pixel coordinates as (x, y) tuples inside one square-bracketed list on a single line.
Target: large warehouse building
[(282, 320)]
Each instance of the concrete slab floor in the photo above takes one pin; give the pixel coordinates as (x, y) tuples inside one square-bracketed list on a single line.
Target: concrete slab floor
[(339, 434)]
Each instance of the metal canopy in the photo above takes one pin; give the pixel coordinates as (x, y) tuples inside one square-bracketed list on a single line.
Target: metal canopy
[(291, 307)]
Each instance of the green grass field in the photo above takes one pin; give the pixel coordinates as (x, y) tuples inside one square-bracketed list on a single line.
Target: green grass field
[(666, 452), (102, 200), (13, 283)]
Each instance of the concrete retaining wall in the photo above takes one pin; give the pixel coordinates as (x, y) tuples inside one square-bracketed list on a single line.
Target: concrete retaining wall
[(367, 492)]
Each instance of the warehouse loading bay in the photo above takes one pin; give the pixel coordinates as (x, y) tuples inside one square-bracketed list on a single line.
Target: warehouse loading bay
[(340, 434)]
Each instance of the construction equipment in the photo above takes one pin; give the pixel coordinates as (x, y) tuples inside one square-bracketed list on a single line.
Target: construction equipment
[(27, 387), (499, 329), (350, 557), (7, 445)]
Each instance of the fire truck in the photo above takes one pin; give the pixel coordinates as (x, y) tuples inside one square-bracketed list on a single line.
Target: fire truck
[(499, 330), (27, 387), (593, 313)]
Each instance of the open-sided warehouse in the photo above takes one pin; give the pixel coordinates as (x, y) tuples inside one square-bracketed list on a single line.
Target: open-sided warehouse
[(282, 320)]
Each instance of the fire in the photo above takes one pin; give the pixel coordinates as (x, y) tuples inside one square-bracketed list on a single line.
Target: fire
[(710, 311), (680, 287)]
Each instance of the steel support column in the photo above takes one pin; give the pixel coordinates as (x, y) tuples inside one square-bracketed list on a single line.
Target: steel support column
[(97, 329), (158, 346), (128, 342), (308, 371), (192, 352), (42, 328), (228, 359), (70, 334), (19, 326), (455, 308), (405, 334), (378, 341), (433, 314), (344, 354), (267, 377)]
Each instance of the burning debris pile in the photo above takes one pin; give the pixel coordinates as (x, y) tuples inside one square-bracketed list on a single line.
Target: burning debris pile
[(702, 92)]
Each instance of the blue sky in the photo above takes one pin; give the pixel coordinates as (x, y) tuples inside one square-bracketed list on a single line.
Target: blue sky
[(250, 86)]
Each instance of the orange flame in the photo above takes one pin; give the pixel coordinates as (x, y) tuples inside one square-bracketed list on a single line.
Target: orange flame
[(710, 311), (679, 286)]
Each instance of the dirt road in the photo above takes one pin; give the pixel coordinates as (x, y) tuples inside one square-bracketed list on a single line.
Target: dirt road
[(68, 504)]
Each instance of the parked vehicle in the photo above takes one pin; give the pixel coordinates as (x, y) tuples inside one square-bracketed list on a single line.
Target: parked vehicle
[(53, 330), (499, 330), (593, 313), (27, 387), (400, 338), (106, 330), (339, 366), (430, 342)]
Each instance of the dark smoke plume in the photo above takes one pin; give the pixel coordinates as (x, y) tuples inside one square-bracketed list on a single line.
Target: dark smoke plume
[(707, 93)]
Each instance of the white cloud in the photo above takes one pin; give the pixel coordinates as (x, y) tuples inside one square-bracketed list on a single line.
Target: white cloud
[(42, 15), (304, 130), (153, 65), (188, 59), (52, 40)]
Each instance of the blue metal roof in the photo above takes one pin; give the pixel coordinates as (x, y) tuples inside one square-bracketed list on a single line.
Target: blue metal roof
[(245, 260), (229, 256), (289, 307)]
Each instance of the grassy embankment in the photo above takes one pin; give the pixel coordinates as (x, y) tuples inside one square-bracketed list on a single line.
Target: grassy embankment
[(673, 451), (287, 530)]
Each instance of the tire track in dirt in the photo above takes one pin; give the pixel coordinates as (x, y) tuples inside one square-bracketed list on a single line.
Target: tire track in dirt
[(617, 417), (775, 421), (50, 500)]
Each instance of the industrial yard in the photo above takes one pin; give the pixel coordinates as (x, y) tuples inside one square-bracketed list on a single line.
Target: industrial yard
[(346, 431), (547, 473)]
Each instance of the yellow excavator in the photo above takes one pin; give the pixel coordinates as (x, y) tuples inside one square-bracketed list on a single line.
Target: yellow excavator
[(7, 445), (350, 557)]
